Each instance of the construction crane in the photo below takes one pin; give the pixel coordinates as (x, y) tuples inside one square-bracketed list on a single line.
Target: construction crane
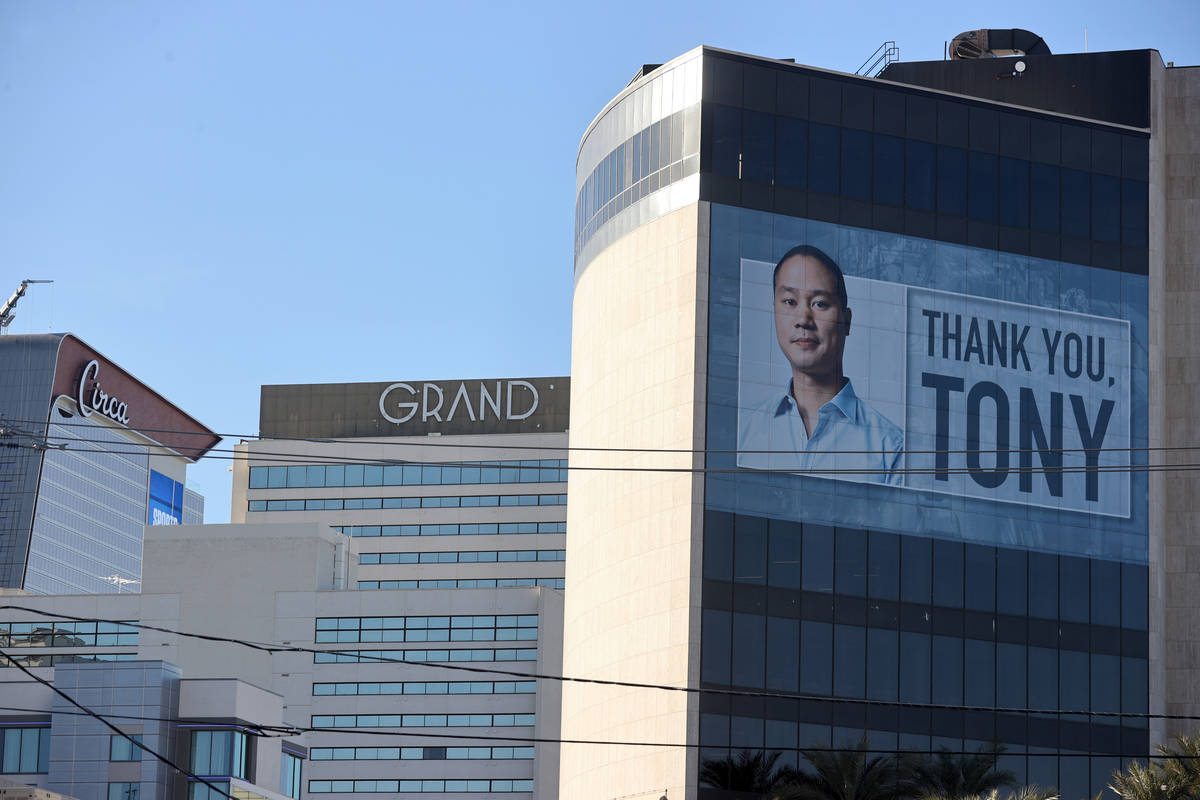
[(6, 310)]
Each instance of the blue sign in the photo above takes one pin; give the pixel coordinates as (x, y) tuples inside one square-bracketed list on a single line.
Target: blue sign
[(166, 501)]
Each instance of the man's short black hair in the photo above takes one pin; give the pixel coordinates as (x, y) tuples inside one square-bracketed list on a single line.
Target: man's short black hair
[(821, 256)]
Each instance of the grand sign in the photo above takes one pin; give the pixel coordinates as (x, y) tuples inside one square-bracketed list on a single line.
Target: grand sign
[(415, 408)]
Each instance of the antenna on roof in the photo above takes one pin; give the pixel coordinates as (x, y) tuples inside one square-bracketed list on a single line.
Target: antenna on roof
[(6, 310)]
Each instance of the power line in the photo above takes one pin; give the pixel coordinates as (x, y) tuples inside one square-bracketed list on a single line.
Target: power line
[(272, 648), (434, 442), (128, 737), (866, 471)]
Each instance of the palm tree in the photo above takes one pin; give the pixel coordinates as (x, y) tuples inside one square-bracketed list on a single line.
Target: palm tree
[(1146, 782), (747, 771), (957, 777), (1030, 792), (1182, 763), (850, 774)]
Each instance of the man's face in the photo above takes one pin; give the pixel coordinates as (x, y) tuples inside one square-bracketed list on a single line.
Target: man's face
[(810, 321)]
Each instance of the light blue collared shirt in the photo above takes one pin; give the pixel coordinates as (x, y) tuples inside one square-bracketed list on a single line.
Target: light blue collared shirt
[(844, 424)]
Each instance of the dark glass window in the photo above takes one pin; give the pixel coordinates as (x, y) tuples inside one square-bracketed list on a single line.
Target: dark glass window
[(856, 164), (1043, 586), (715, 644), (750, 550), (1013, 193), (1135, 212), (980, 583), (1043, 198), (791, 152), (824, 157), (916, 570), (718, 546), (1106, 682), (947, 670), (884, 566), (1106, 593), (758, 146), (952, 181), (1134, 686), (1073, 671), (920, 169), (914, 667), (947, 574), (882, 664), (783, 568), (979, 669), (817, 562), (981, 181), (749, 649), (1010, 675), (1073, 589), (1011, 582), (1106, 208), (816, 664), (783, 649), (889, 170), (1134, 597), (1076, 203), (851, 564), (1043, 678), (849, 660), (727, 141)]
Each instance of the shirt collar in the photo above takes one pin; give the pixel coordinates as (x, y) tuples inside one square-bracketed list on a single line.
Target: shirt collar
[(845, 401)]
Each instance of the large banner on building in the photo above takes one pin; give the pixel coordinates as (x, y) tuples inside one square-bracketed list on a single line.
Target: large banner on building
[(854, 379)]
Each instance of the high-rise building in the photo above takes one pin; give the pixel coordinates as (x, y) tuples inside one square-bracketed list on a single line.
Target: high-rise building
[(89, 455), (872, 383), (454, 489)]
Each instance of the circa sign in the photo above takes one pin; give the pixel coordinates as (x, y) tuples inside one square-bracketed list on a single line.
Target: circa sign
[(98, 399), (403, 399)]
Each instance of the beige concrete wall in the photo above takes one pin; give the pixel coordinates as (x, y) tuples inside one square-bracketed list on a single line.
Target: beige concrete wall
[(1177, 498), (632, 605)]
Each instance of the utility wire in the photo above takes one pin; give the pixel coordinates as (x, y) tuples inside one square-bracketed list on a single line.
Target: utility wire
[(128, 737), (434, 442), (272, 648), (1018, 470)]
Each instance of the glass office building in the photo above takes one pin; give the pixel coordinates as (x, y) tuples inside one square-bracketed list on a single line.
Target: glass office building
[(895, 342), (91, 455)]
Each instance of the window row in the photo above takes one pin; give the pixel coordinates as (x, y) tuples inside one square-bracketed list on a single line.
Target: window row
[(464, 583), (951, 180), (29, 660), (859, 563), (436, 786), (425, 656), (419, 753), (67, 634), (24, 750), (369, 503), (462, 557), (826, 659), (313, 476), (380, 623), (452, 529), (422, 720), (426, 687), (442, 635), (645, 162)]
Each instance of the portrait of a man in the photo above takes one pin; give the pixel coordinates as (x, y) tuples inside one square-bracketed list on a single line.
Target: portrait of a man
[(816, 424)]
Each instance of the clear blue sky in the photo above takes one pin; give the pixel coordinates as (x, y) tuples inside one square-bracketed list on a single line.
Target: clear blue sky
[(229, 194)]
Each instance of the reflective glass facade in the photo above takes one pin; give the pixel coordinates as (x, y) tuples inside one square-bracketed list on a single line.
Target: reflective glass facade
[(948, 603)]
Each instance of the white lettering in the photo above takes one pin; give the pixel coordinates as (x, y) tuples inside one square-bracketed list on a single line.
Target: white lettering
[(426, 411), (462, 395), (411, 408), (532, 408), (486, 400), (101, 401)]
